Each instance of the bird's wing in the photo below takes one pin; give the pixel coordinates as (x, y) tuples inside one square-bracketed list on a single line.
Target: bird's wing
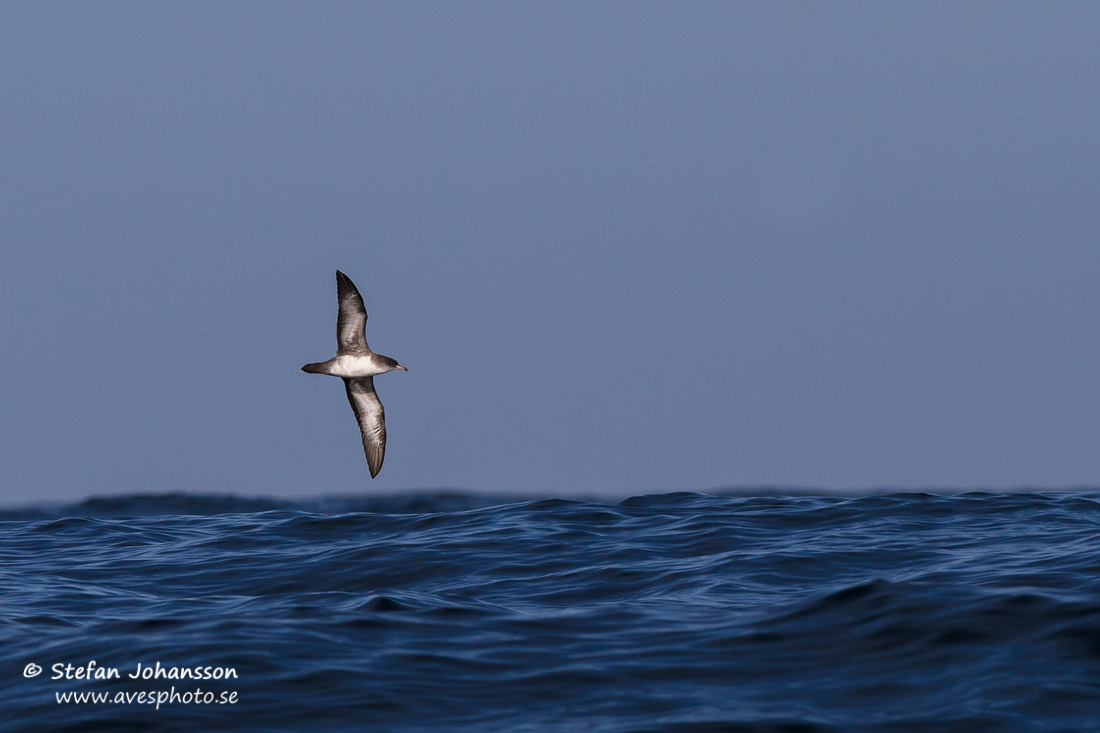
[(371, 418), (352, 318)]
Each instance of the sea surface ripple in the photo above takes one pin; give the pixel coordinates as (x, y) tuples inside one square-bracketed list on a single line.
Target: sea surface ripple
[(677, 612)]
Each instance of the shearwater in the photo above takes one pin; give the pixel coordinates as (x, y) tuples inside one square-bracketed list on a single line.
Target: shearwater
[(356, 364)]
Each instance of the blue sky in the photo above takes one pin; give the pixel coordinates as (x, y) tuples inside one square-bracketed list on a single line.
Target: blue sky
[(622, 247)]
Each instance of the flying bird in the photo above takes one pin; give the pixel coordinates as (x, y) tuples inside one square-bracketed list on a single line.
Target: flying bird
[(356, 364)]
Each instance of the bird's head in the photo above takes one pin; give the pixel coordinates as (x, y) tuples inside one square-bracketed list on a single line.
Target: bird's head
[(392, 365)]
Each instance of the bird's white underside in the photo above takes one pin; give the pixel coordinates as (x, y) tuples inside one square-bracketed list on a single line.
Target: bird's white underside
[(354, 366)]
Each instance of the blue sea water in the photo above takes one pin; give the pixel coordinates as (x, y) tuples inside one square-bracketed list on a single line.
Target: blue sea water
[(449, 612)]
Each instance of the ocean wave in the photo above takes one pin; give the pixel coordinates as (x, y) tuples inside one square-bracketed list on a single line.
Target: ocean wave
[(454, 611)]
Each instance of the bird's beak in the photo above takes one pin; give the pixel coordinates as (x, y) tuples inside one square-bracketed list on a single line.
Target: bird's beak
[(404, 369)]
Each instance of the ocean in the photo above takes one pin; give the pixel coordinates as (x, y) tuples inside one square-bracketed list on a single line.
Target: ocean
[(681, 612)]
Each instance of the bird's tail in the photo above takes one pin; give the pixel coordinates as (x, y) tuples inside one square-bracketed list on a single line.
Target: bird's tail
[(318, 368)]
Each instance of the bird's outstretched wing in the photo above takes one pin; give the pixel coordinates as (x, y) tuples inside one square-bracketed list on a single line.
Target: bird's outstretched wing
[(352, 318), (371, 418)]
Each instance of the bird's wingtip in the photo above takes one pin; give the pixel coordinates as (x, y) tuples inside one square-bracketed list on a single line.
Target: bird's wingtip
[(344, 285)]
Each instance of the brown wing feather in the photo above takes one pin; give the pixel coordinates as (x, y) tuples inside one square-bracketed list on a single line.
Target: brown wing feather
[(371, 418), (351, 319)]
